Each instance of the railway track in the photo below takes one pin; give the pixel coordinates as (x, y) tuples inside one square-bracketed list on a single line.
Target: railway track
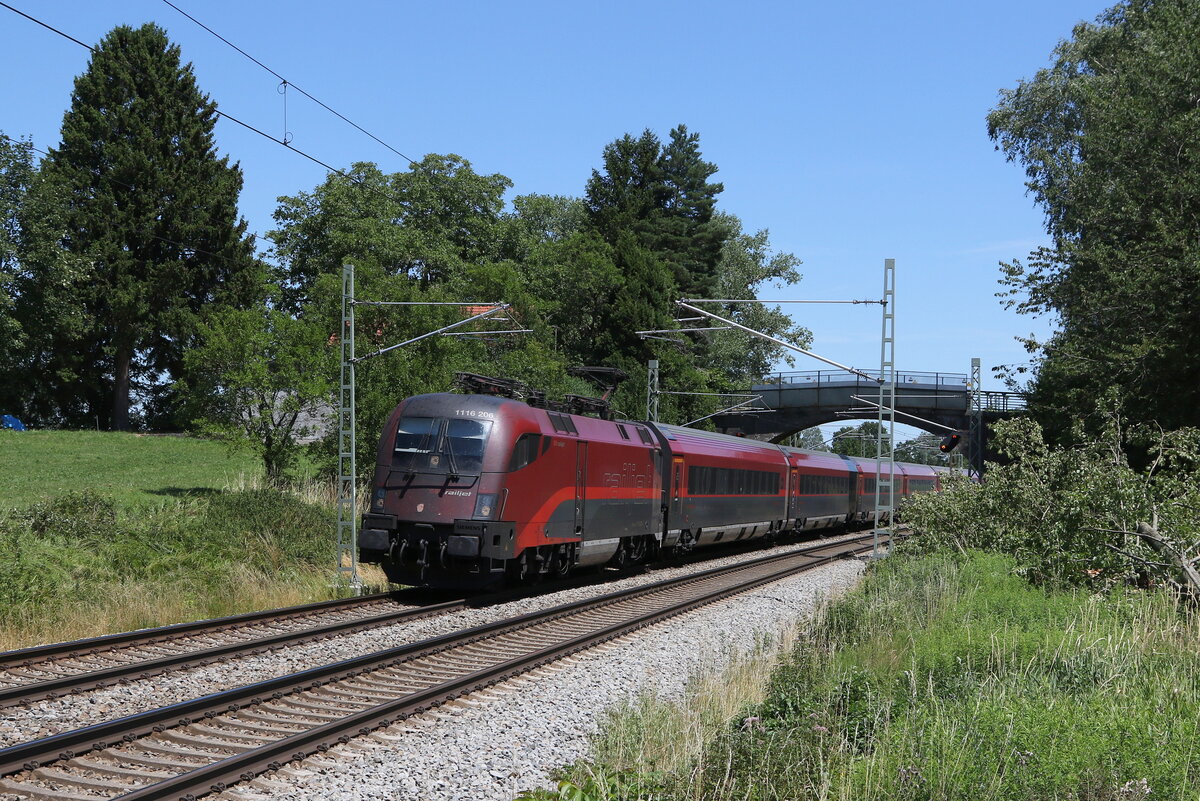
[(50, 671), (207, 744)]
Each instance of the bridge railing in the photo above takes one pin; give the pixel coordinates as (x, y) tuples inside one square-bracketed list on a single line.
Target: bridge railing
[(816, 378), (1002, 401), (950, 383)]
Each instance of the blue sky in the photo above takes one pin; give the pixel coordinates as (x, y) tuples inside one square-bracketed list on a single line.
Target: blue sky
[(854, 132)]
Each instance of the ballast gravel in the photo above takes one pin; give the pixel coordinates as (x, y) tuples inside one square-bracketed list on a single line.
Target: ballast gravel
[(511, 739), (46, 718)]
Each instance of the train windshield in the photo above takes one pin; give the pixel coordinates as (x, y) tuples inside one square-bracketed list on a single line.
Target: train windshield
[(438, 445)]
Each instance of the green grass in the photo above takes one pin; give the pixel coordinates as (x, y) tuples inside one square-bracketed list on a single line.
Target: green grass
[(79, 565), (133, 469), (107, 532), (949, 677)]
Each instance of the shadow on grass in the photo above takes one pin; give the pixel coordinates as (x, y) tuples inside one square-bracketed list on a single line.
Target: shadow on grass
[(186, 492)]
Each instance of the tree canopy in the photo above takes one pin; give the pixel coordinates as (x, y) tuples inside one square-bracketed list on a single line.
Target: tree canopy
[(17, 173), (1109, 136), (660, 193), (130, 290), (860, 440)]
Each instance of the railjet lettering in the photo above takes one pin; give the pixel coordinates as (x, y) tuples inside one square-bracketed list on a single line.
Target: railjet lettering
[(628, 478), (463, 493)]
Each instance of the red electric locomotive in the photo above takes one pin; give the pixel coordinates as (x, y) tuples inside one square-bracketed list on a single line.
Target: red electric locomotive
[(471, 489)]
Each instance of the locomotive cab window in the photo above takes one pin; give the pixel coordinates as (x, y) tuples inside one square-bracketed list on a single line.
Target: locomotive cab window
[(438, 445), (416, 434), (525, 451), (465, 441)]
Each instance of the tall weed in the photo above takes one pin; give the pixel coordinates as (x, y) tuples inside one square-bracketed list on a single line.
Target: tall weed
[(948, 676)]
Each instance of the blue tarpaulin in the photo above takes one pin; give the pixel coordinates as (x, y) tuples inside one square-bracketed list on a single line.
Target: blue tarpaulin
[(8, 421)]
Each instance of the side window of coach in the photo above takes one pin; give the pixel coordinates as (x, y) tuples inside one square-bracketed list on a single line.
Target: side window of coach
[(525, 451)]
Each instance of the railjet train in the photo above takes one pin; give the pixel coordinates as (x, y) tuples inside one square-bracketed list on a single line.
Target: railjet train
[(471, 490)]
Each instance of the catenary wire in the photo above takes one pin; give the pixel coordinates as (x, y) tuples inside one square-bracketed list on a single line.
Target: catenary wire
[(229, 117), (286, 82), (196, 249)]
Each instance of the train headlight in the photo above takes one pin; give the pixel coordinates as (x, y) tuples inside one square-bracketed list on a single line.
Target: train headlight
[(485, 505), (378, 500)]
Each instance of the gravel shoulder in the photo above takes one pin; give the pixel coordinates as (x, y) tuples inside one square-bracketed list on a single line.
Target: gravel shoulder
[(511, 738), (45, 718)]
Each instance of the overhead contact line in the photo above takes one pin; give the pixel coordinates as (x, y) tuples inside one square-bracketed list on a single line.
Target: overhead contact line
[(230, 117), (285, 82)]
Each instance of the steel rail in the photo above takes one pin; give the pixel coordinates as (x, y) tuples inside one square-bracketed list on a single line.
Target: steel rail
[(26, 656), (217, 775), (104, 677)]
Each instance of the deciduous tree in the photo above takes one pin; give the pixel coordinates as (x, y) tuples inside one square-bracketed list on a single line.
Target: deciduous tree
[(922, 449), (747, 266), (263, 380), (425, 223), (860, 440), (1109, 136)]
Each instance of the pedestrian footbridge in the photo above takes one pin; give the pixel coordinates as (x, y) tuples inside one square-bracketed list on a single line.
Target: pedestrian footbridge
[(802, 400)]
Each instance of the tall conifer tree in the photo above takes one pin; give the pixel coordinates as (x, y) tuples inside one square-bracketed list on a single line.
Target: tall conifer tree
[(153, 210), (661, 194)]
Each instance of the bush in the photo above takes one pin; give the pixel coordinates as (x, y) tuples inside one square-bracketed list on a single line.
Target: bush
[(85, 514), (1068, 514)]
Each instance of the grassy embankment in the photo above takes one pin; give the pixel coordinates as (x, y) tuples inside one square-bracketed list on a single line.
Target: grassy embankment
[(132, 469), (106, 532), (940, 677)]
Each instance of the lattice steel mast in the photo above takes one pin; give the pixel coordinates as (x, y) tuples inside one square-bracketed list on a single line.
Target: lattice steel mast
[(975, 430), (347, 501), (886, 465)]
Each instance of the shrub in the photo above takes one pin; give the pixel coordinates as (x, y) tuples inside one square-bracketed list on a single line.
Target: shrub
[(1068, 515)]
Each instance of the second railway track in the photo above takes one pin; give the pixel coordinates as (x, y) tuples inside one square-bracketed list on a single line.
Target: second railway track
[(206, 744), (49, 671)]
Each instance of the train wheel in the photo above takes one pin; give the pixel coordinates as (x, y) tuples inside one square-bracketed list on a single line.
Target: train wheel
[(518, 569), (560, 562), (637, 550)]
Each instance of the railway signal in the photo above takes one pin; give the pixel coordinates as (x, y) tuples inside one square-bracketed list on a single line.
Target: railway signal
[(950, 443)]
